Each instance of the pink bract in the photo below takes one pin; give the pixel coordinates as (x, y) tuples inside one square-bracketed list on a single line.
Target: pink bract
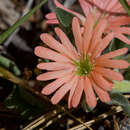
[(63, 69), (111, 10)]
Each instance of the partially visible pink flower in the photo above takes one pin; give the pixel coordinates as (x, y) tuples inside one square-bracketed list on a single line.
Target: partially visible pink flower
[(80, 69), (101, 8)]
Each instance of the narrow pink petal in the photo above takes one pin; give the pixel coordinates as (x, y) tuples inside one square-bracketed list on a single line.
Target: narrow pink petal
[(110, 74), (62, 91), (122, 38), (103, 44), (68, 10), (86, 7), (53, 86), (54, 66), (49, 54), (118, 7), (52, 21), (65, 41), (87, 35), (113, 53), (103, 95), (90, 96), (121, 64), (101, 82), (99, 30), (51, 15), (78, 93), (98, 3), (53, 74), (106, 4), (122, 20), (72, 90), (123, 30), (77, 34), (111, 5), (54, 44)]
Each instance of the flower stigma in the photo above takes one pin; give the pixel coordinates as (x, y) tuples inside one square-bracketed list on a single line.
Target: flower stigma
[(83, 66)]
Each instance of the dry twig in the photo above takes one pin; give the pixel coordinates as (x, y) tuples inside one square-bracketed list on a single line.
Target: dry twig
[(100, 117)]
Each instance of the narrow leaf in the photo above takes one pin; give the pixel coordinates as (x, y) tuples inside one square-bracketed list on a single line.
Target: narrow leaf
[(7, 33), (64, 17), (10, 65)]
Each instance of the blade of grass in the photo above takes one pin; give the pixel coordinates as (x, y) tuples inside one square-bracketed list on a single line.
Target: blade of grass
[(7, 33), (125, 6)]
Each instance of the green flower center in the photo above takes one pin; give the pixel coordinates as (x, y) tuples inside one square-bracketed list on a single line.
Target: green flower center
[(83, 66)]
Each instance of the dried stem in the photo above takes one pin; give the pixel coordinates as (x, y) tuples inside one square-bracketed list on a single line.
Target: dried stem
[(100, 117), (42, 119)]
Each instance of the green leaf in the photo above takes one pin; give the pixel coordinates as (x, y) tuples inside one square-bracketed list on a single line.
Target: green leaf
[(126, 6), (25, 103), (123, 86), (64, 17), (10, 65), (118, 99), (7, 33)]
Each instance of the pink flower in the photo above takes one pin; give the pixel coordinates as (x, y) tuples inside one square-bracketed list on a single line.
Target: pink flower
[(80, 69), (101, 8)]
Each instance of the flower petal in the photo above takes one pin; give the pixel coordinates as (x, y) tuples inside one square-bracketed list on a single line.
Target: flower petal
[(78, 93), (60, 93), (121, 64), (54, 66), (118, 21), (51, 15), (103, 44), (118, 7), (54, 74), (110, 5), (90, 96), (103, 95), (53, 86), (52, 21), (72, 90), (113, 54), (77, 33), (97, 36), (101, 82), (85, 7), (65, 41), (110, 74), (88, 30), (49, 54), (122, 38), (123, 30), (54, 44)]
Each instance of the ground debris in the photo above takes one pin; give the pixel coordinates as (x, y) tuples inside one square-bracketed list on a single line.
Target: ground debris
[(8, 14)]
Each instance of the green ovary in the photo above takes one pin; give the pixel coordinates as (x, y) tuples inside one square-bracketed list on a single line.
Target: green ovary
[(83, 66)]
